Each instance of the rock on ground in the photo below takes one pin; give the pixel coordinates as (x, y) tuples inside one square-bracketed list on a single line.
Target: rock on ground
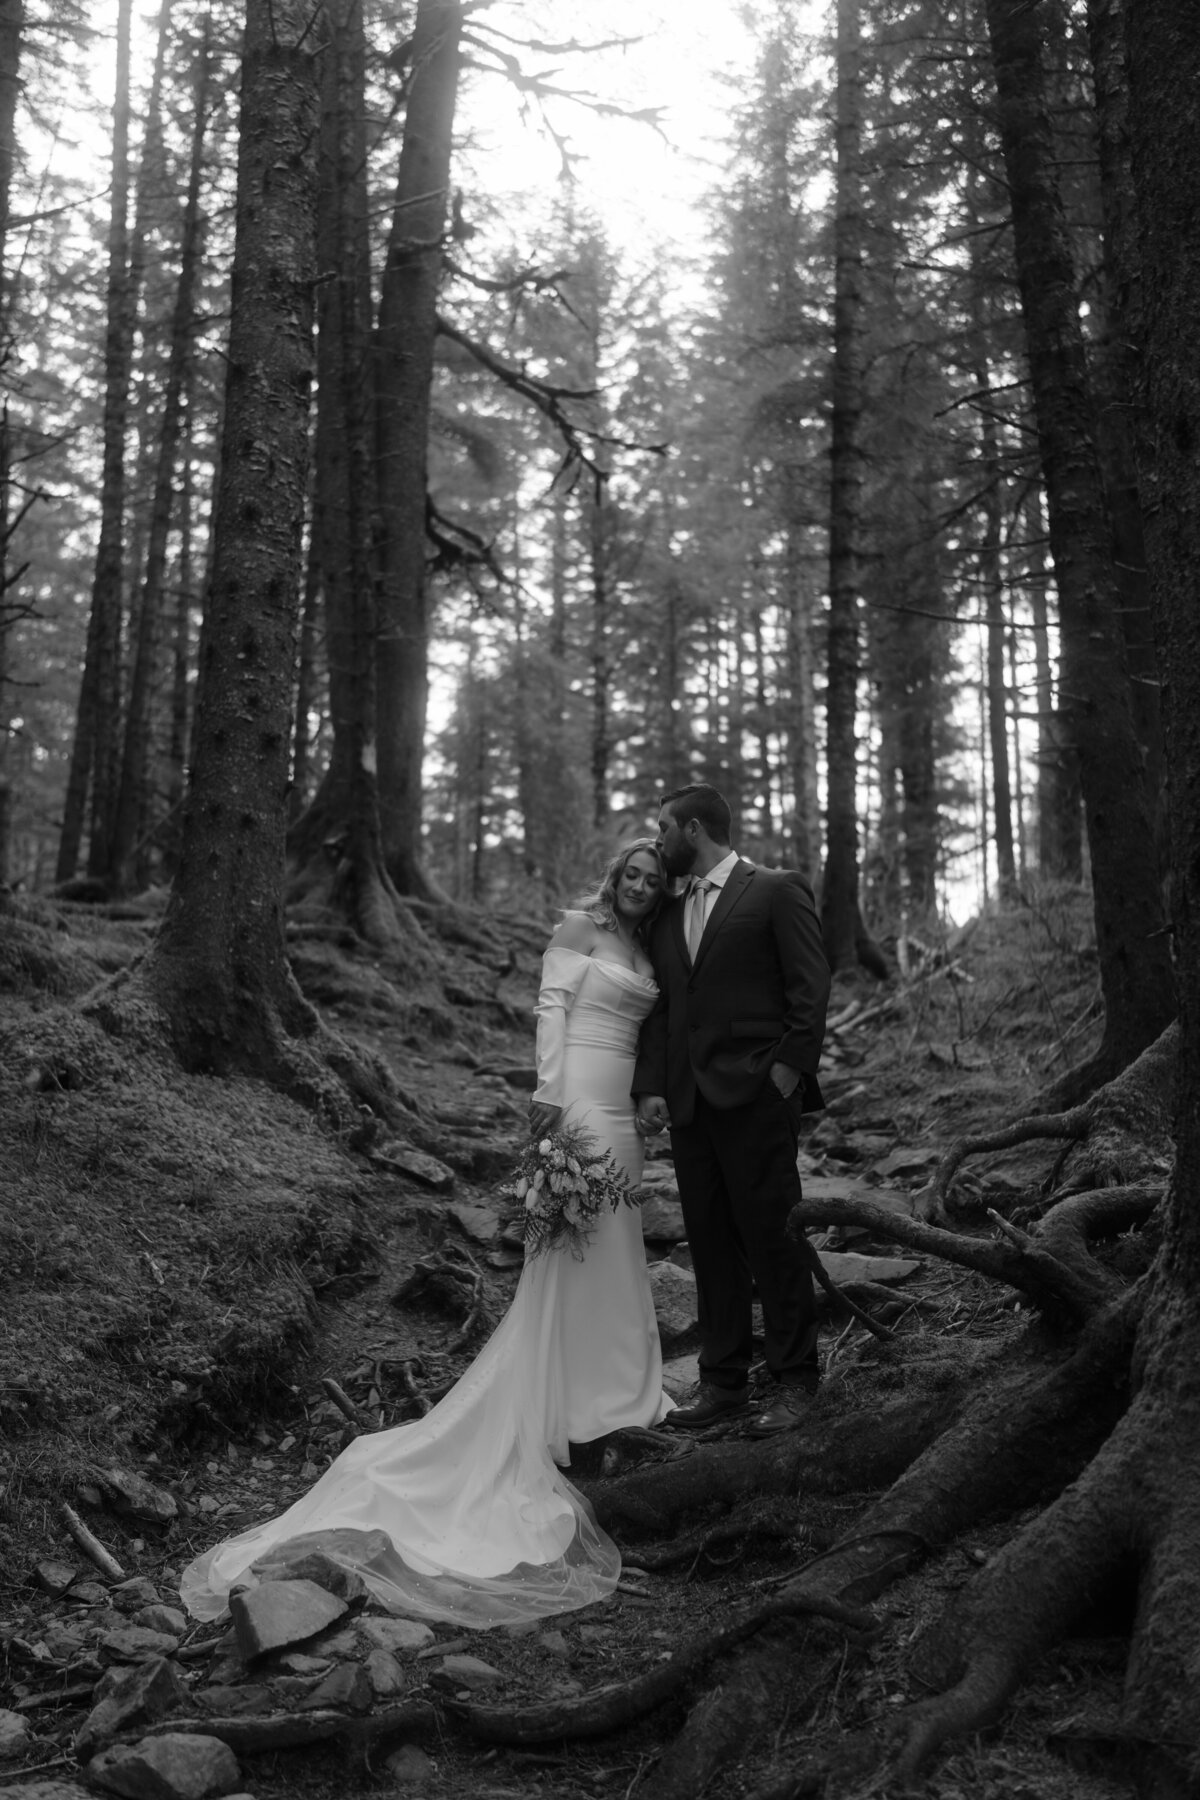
[(278, 1613), (175, 1766)]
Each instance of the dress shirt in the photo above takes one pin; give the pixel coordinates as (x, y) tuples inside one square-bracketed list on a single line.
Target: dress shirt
[(700, 902)]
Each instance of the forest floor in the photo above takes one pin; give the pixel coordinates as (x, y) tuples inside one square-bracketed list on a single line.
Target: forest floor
[(187, 1260)]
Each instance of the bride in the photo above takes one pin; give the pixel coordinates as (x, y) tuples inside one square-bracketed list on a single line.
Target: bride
[(463, 1515)]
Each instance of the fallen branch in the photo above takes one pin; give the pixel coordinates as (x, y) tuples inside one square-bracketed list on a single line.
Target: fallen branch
[(360, 1420), (91, 1546)]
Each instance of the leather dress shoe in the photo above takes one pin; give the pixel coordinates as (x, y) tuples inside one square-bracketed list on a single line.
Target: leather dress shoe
[(709, 1406), (786, 1411)]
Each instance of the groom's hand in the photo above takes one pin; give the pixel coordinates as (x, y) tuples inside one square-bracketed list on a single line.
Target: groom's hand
[(786, 1079), (652, 1114)]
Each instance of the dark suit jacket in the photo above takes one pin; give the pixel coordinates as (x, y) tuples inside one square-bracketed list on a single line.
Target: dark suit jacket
[(756, 995)]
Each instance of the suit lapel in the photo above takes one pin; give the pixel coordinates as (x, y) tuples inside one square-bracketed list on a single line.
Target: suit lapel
[(675, 924), (736, 884)]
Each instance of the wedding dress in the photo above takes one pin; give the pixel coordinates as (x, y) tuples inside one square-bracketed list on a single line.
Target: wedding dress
[(463, 1515)]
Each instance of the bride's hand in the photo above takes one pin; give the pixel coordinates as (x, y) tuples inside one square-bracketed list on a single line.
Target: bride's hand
[(542, 1118)]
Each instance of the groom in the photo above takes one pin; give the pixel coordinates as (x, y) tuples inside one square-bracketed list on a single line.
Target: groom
[(728, 1059)]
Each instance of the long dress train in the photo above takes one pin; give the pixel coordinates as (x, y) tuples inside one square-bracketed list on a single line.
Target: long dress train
[(463, 1515)]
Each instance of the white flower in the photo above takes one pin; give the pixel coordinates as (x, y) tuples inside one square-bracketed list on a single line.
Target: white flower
[(545, 1147)]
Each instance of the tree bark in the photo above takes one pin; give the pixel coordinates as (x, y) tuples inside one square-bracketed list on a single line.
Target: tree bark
[(218, 967), (1164, 62), (95, 750), (839, 891), (404, 345), (130, 809), (1115, 360), (337, 842), (1135, 967)]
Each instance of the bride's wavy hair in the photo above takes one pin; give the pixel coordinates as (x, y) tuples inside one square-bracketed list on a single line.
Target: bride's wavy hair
[(601, 905)]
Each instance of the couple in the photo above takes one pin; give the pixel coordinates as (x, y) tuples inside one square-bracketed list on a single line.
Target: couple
[(464, 1515)]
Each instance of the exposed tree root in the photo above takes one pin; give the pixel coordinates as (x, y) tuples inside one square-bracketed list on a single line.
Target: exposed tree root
[(849, 1454), (1027, 1599), (765, 1683), (224, 1029), (609, 1708), (1077, 1221), (1022, 1440), (249, 1736), (1077, 1284), (767, 1520), (1125, 1124)]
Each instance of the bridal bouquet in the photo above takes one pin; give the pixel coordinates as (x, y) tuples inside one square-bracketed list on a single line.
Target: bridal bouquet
[(564, 1183)]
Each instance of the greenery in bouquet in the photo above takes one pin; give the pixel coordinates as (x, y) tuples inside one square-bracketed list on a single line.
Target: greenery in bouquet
[(564, 1182)]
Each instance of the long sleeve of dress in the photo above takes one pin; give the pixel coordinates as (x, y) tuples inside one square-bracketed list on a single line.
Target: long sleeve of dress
[(562, 972)]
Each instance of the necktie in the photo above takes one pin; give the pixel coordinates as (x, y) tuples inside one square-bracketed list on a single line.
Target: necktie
[(697, 904)]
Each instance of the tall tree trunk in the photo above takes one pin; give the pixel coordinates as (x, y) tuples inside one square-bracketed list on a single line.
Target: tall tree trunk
[(992, 573), (1116, 366), (336, 842), (1059, 801), (131, 804), (177, 736), (839, 893), (96, 747), (598, 562), (218, 966), (796, 601), (404, 346), (1135, 966), (12, 20), (110, 552)]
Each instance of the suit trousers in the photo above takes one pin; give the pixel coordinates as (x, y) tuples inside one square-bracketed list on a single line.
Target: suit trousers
[(736, 1168)]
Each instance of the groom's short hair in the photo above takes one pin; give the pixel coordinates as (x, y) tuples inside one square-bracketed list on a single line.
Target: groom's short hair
[(704, 803)]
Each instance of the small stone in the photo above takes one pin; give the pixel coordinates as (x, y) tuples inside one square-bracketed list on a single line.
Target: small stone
[(674, 1292), (468, 1672), (478, 1222), (916, 1160), (342, 1643), (206, 1504), (134, 1497), (405, 1160), (54, 1578), (662, 1220), (845, 1267), (347, 1687), (14, 1735), (92, 1593), (555, 1643), (385, 1674), (296, 1662), (221, 1702), (315, 1566), (137, 1643), (168, 1619), (176, 1766), (397, 1634), (129, 1698), (410, 1766), (133, 1594), (279, 1613)]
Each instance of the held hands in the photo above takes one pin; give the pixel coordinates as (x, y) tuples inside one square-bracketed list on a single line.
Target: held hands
[(786, 1079), (542, 1117), (652, 1115)]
